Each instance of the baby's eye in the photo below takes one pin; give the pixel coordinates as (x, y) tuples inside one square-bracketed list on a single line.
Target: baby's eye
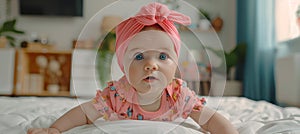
[(139, 56), (163, 56)]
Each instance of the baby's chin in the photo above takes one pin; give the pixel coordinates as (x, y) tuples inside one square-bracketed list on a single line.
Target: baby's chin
[(146, 87)]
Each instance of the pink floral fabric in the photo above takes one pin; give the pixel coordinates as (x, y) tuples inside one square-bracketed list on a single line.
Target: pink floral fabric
[(116, 102)]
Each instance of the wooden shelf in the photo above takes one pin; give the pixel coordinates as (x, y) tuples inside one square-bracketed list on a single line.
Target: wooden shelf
[(197, 30), (45, 94), (47, 51), (42, 72)]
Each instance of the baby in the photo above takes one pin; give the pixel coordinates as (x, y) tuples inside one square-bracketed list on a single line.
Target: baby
[(147, 50)]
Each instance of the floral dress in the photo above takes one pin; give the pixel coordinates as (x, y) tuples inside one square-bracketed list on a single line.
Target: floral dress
[(115, 102)]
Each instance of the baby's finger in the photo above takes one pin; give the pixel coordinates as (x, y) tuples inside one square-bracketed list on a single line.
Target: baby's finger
[(36, 131), (53, 131), (29, 131), (33, 130)]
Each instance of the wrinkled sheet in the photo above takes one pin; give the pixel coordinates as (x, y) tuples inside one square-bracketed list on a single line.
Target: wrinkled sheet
[(17, 114)]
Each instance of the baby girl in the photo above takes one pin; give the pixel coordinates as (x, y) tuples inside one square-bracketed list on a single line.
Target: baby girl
[(147, 50)]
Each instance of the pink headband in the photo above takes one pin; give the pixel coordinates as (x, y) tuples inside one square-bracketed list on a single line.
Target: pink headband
[(153, 13)]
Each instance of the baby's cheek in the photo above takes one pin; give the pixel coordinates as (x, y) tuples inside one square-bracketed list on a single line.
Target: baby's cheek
[(174, 67), (170, 72)]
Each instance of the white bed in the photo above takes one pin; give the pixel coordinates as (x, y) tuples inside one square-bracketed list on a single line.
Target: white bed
[(17, 114)]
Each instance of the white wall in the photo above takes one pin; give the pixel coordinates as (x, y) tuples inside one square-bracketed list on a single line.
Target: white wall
[(7, 57), (226, 9), (62, 30)]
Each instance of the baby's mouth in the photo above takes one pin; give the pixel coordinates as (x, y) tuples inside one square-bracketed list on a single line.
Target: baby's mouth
[(150, 79)]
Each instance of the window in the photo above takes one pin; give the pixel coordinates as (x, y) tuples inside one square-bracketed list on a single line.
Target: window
[(286, 19)]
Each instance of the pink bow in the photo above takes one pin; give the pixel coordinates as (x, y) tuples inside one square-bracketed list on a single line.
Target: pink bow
[(153, 13), (157, 13)]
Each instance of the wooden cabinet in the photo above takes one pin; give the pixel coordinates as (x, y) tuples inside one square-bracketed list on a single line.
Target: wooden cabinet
[(43, 72)]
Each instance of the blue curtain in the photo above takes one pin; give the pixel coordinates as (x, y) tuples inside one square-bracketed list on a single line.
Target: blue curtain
[(256, 28)]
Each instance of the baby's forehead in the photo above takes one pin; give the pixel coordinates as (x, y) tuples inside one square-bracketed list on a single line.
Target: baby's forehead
[(151, 40)]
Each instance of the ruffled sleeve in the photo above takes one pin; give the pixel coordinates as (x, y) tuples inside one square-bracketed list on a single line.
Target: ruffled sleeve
[(189, 101), (102, 102)]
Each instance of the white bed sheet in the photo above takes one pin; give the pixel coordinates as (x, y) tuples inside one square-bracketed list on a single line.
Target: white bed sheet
[(17, 114)]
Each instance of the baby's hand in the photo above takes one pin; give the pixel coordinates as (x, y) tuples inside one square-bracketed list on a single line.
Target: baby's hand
[(43, 131)]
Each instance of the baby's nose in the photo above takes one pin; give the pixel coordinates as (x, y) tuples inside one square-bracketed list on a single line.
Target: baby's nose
[(151, 66)]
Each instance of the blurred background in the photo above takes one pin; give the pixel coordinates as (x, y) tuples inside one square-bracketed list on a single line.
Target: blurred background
[(260, 40)]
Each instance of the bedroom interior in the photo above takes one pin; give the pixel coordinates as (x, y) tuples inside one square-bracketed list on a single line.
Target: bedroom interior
[(55, 64)]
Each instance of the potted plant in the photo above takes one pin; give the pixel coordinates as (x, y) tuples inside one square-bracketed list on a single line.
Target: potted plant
[(232, 59), (204, 20), (104, 57), (7, 32)]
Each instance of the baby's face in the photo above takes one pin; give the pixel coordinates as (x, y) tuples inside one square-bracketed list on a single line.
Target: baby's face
[(150, 61)]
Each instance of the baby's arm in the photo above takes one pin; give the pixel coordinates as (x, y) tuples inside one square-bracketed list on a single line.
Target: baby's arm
[(216, 124), (80, 115)]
